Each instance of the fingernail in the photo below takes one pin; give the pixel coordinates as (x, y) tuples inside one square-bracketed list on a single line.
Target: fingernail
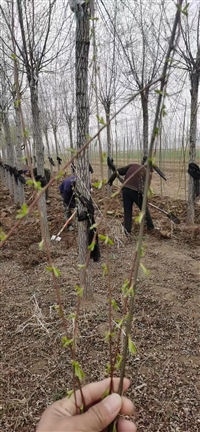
[(113, 403)]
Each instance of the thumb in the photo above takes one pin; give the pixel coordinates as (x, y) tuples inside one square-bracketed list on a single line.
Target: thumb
[(102, 414)]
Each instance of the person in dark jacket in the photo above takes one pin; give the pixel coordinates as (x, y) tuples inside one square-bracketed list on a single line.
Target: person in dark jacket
[(132, 192), (67, 190), (43, 180)]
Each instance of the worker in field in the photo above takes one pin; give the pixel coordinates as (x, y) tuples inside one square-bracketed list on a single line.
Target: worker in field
[(132, 191), (67, 190), (43, 179)]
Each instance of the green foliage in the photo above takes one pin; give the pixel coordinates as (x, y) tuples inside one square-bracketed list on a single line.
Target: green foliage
[(70, 393), (99, 184), (3, 236), (118, 362), (26, 133), (14, 57), (150, 192), (106, 239), (79, 291), (105, 269), (17, 103), (125, 287), (156, 130), (114, 194), (144, 269), (59, 175), (106, 393), (131, 346), (109, 336), (160, 92), (41, 245), (66, 342), (22, 212), (184, 11), (92, 245), (103, 158), (77, 370), (139, 218), (81, 266), (54, 270), (114, 305), (100, 120)]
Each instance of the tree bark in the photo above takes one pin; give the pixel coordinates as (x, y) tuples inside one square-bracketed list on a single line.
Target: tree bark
[(56, 143), (82, 108), (10, 151), (20, 187), (37, 137), (109, 145), (144, 100), (194, 80), (48, 148)]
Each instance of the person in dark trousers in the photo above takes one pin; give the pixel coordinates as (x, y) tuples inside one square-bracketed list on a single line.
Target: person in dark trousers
[(43, 180), (132, 192), (67, 190)]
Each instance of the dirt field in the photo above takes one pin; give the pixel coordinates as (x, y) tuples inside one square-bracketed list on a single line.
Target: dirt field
[(36, 370)]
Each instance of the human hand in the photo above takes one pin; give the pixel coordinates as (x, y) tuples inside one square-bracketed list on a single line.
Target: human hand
[(61, 416)]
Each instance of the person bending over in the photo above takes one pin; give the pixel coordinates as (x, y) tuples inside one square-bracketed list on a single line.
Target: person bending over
[(132, 192)]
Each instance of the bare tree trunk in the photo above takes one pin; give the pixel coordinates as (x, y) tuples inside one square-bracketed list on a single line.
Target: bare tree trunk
[(82, 107), (10, 151), (70, 122), (144, 100), (194, 79), (48, 148), (20, 187), (56, 144), (109, 145), (37, 137)]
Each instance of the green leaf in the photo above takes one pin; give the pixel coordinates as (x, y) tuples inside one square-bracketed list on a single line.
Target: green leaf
[(109, 336), (54, 270), (81, 266), (98, 185), (144, 269), (17, 103), (161, 92), (66, 342), (108, 368), (103, 158), (71, 316), (106, 393), (156, 130), (14, 57), (131, 346), (100, 120), (139, 218), (70, 393), (92, 245), (114, 305), (106, 239), (118, 362), (150, 192), (105, 269), (114, 194), (26, 133), (79, 291), (94, 226), (77, 370), (88, 137), (22, 212), (71, 150), (3, 236), (125, 286), (41, 245), (60, 174)]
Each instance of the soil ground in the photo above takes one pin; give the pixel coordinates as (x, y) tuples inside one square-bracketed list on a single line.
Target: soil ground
[(36, 369)]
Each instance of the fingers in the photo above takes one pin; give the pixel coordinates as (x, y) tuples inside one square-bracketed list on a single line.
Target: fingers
[(92, 393), (99, 416), (127, 407), (125, 426)]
